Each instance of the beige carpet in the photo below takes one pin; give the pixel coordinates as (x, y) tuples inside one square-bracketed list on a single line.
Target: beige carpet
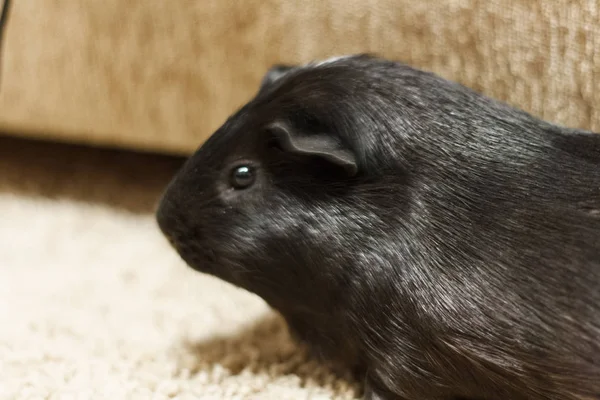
[(95, 305)]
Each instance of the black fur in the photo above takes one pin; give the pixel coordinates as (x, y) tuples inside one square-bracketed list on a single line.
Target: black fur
[(460, 260)]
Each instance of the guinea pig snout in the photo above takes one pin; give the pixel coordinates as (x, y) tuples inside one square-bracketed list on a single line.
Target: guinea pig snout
[(168, 219), (174, 231)]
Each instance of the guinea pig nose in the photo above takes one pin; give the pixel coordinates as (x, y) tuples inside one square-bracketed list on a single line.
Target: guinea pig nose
[(170, 239), (161, 219), (165, 218)]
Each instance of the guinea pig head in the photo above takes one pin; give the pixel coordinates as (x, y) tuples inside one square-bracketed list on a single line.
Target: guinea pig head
[(269, 202)]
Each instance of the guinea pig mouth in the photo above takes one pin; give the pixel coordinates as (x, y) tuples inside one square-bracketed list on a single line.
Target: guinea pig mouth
[(197, 257), (186, 242), (171, 241), (208, 256)]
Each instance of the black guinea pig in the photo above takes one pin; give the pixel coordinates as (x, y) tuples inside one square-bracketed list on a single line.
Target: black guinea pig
[(445, 244)]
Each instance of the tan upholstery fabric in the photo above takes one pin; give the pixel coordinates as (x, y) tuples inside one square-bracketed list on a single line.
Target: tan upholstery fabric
[(163, 75)]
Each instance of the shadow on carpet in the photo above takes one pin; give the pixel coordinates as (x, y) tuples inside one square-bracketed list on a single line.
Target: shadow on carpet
[(267, 347)]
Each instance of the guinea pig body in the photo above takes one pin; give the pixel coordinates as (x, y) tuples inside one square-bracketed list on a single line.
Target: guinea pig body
[(445, 244)]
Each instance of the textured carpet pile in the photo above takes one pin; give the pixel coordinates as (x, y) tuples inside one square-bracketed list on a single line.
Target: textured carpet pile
[(94, 304)]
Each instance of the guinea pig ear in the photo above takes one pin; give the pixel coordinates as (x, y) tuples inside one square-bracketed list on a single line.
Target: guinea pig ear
[(320, 145), (274, 73)]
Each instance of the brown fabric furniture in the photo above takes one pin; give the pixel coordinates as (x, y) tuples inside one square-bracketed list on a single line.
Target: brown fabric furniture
[(162, 75)]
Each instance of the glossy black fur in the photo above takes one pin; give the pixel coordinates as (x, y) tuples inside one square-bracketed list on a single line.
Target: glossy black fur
[(461, 261)]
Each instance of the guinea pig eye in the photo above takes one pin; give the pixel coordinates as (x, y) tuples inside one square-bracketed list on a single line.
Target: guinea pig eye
[(242, 177)]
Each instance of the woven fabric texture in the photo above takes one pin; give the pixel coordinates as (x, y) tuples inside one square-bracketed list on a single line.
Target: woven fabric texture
[(163, 75)]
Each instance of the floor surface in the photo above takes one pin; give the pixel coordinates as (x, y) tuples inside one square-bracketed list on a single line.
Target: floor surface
[(94, 304)]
